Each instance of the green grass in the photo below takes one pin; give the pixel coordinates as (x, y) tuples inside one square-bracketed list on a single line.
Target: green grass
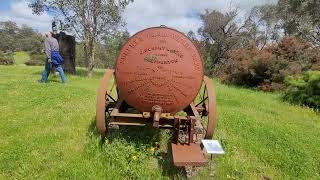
[(47, 131), (20, 57)]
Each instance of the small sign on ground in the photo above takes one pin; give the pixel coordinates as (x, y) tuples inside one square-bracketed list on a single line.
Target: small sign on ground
[(212, 146)]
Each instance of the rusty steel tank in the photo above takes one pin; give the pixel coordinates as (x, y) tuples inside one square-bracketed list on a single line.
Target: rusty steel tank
[(158, 81), (159, 67)]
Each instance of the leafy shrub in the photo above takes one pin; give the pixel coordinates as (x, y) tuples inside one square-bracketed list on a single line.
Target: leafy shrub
[(269, 87), (267, 68), (249, 68), (34, 63), (36, 59), (5, 59), (304, 90)]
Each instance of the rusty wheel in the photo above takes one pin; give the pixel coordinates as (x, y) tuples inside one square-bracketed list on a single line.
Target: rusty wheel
[(106, 99), (205, 103)]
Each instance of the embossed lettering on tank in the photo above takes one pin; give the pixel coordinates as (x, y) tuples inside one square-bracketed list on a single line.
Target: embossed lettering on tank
[(129, 48), (140, 80), (151, 67)]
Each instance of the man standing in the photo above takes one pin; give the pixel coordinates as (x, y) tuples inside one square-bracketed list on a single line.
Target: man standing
[(53, 58)]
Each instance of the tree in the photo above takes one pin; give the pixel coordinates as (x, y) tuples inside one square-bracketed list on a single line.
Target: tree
[(253, 36), (9, 27), (301, 19), (89, 19), (191, 35), (113, 44), (32, 43), (221, 34), (25, 31), (8, 35), (17, 38), (263, 25), (106, 51)]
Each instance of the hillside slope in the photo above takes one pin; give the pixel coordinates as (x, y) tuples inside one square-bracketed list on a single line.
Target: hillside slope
[(48, 132)]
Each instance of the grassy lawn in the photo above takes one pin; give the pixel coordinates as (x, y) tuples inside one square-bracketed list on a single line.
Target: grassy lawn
[(47, 131), (21, 57)]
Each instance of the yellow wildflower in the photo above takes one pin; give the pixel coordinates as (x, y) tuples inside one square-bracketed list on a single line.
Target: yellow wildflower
[(152, 149)]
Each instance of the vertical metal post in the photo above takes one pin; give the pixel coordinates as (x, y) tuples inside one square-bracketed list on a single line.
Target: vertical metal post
[(191, 129), (210, 167)]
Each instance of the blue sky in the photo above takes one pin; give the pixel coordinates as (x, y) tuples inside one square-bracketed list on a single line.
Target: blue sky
[(4, 5), (178, 14), (19, 12)]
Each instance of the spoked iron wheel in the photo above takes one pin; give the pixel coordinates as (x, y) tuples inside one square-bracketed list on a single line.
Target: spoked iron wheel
[(106, 100), (205, 103)]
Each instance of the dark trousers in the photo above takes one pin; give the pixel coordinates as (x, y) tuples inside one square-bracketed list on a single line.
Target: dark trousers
[(47, 69)]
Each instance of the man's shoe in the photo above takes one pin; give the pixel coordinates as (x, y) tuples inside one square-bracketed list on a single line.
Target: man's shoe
[(40, 81)]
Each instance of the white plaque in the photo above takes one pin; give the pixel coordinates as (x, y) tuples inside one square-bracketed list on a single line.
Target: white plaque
[(212, 146)]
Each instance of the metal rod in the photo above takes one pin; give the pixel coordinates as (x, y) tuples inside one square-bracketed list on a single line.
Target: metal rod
[(111, 98), (202, 101)]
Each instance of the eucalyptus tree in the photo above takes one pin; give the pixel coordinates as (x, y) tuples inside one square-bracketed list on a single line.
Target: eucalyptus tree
[(301, 18), (89, 19), (221, 33)]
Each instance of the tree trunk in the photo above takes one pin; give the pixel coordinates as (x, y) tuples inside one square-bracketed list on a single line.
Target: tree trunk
[(90, 64), (89, 55)]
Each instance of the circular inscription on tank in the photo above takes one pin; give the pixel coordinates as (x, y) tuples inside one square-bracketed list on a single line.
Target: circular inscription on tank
[(159, 66)]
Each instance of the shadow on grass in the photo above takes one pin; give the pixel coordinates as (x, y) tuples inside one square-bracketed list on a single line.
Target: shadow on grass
[(142, 136), (80, 72)]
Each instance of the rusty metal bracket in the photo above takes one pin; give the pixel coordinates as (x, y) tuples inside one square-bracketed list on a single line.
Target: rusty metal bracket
[(176, 130), (187, 155), (156, 116)]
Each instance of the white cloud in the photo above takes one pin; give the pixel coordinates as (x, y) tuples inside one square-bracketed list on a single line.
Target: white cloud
[(20, 13), (179, 14)]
